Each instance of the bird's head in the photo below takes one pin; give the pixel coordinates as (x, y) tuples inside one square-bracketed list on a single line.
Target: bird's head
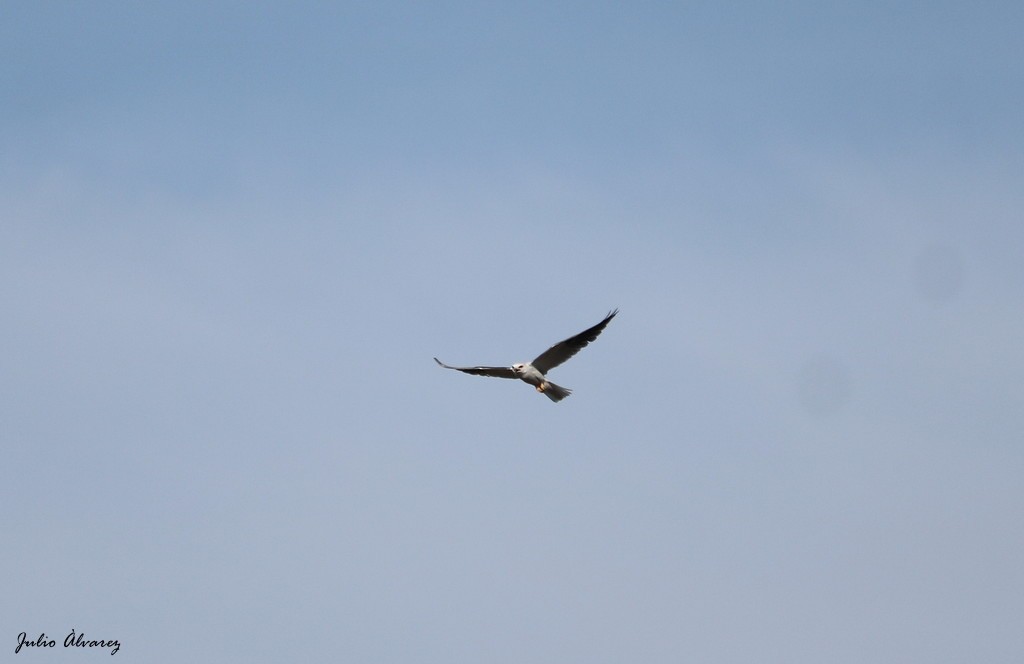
[(518, 368)]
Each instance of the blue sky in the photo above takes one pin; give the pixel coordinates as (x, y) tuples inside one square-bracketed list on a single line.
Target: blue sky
[(233, 236)]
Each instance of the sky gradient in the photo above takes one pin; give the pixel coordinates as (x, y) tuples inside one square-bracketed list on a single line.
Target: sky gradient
[(233, 236)]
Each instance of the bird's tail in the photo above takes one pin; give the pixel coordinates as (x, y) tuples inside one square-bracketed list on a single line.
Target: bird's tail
[(555, 392)]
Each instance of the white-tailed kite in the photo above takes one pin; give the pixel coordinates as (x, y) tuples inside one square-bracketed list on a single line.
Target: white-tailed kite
[(533, 372)]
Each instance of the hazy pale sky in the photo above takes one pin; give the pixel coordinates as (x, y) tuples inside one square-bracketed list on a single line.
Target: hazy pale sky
[(233, 236)]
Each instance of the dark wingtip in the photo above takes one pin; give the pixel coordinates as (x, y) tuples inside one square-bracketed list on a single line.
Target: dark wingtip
[(439, 362)]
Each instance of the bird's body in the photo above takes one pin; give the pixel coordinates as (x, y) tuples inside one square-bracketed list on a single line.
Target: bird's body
[(529, 374), (535, 372)]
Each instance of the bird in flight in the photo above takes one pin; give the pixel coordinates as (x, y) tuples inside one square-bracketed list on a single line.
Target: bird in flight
[(534, 372)]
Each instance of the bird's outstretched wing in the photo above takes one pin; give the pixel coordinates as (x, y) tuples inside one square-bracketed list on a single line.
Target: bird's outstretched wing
[(561, 352), (494, 372)]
